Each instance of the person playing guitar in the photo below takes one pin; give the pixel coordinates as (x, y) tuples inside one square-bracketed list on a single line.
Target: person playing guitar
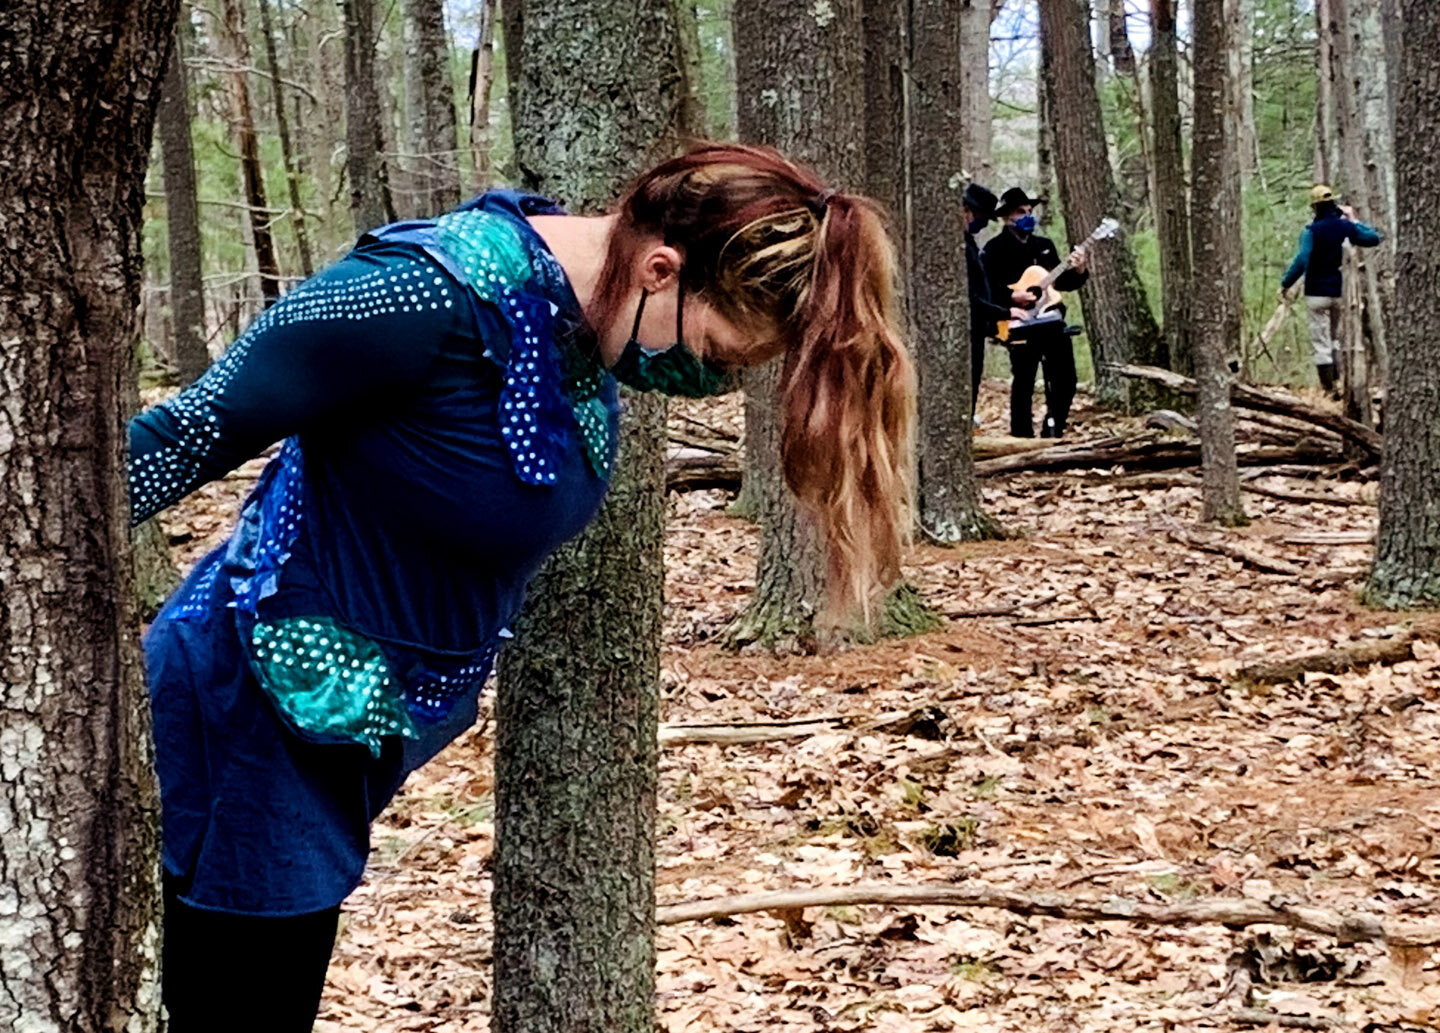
[(1007, 257)]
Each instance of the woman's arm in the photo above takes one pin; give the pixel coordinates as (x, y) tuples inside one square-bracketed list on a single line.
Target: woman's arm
[(358, 339)]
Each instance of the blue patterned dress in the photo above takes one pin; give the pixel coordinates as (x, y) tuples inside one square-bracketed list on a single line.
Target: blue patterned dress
[(445, 427)]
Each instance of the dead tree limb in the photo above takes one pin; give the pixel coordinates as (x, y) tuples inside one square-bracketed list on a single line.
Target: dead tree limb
[(1233, 912), (1245, 396), (1247, 556), (1393, 650)]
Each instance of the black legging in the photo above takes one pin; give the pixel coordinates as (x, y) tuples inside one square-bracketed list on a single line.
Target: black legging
[(243, 972), (1053, 348)]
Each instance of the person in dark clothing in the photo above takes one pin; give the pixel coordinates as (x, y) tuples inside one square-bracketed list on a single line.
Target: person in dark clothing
[(1318, 259), (1006, 256), (979, 208)]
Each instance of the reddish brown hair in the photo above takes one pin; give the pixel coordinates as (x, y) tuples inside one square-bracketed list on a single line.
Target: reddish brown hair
[(810, 273)]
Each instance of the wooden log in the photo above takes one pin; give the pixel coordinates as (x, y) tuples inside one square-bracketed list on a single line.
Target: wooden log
[(1234, 550), (1235, 913), (1393, 650), (1245, 396)]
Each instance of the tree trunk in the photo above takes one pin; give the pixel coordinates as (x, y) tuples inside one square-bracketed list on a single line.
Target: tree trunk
[(182, 220), (1118, 320), (972, 90), (1243, 27), (252, 172), (1215, 209), (800, 76), (370, 200), (282, 129), (482, 78), (950, 508), (1044, 153), (1132, 166), (577, 710), (79, 808), (435, 165), (1172, 214), (887, 73), (1407, 551)]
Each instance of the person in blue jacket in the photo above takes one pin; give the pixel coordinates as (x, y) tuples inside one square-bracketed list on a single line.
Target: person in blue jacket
[(445, 401), (1319, 260)]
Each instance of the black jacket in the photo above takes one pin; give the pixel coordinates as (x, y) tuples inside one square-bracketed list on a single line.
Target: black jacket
[(983, 310), (1007, 257)]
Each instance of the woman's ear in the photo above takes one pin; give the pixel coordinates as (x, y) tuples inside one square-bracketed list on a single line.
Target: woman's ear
[(659, 268)]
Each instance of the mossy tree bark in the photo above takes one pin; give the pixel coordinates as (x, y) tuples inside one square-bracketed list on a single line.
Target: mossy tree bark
[(599, 98), (79, 808)]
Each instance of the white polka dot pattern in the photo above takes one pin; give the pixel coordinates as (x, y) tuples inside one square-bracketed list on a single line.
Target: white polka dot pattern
[(162, 476)]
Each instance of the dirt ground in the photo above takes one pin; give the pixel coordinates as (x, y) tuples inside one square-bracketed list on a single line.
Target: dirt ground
[(1090, 739)]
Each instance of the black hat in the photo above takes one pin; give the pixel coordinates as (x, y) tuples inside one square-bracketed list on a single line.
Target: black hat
[(1014, 198), (980, 201)]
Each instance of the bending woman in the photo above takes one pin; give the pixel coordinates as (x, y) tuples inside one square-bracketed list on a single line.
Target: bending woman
[(446, 398)]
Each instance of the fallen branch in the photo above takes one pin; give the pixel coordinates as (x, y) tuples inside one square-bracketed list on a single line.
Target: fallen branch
[(692, 472), (1320, 497), (1245, 396), (1260, 1017), (1329, 538), (1247, 556), (1004, 611), (739, 734), (1147, 452), (1235, 913), (1340, 659)]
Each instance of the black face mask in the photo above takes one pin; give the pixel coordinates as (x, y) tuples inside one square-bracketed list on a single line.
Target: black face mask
[(675, 370), (975, 226)]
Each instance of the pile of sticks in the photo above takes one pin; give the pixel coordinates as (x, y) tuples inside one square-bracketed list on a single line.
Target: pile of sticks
[(1275, 430)]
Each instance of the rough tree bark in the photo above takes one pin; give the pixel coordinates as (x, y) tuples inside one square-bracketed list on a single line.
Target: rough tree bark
[(79, 809), (576, 762), (949, 496), (885, 28), (801, 84), (182, 219), (482, 79), (282, 130), (370, 200), (252, 172), (1172, 214), (972, 92), (1118, 320), (435, 168), (1215, 230), (1407, 553)]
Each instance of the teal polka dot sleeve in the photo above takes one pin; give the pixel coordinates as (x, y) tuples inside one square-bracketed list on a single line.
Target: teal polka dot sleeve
[(357, 341)]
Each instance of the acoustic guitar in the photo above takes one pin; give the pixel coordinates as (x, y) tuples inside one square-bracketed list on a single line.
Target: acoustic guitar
[(1040, 283)]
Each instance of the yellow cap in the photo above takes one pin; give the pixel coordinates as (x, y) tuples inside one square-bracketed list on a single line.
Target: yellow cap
[(1320, 193)]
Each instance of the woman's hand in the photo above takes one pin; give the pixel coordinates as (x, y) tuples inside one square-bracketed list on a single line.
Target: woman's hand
[(1079, 260), (1019, 315), (1022, 298)]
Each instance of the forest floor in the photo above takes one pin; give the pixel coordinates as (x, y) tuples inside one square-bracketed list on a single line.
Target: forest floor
[(1092, 741)]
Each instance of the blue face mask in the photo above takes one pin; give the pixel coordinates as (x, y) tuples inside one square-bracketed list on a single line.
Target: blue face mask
[(1025, 224), (674, 371)]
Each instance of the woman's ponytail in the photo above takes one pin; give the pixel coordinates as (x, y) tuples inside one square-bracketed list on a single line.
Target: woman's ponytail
[(848, 402)]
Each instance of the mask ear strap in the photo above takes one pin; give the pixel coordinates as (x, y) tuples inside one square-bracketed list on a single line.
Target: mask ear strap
[(680, 312), (639, 311)]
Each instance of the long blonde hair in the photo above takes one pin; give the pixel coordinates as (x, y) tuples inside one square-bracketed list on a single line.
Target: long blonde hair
[(809, 273)]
